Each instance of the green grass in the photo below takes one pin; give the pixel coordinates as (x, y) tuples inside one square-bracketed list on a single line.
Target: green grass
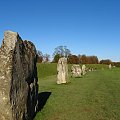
[(95, 96), (98, 66), (46, 69)]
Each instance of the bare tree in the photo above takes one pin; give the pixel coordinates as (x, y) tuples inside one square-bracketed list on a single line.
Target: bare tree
[(39, 56), (46, 57)]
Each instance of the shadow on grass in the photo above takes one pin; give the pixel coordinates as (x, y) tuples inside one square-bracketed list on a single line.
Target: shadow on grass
[(77, 77), (42, 99)]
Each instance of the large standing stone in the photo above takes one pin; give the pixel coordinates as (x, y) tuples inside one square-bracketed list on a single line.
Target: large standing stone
[(83, 69), (18, 78), (76, 71), (62, 69)]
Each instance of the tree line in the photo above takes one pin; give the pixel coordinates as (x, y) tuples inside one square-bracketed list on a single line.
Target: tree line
[(63, 51)]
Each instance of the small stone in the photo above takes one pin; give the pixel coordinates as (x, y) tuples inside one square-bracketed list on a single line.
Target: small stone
[(83, 69), (76, 71), (110, 66)]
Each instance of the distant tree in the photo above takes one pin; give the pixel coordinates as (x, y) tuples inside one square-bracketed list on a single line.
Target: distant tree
[(116, 64), (46, 57), (79, 56), (62, 51), (96, 60), (88, 59), (56, 58), (107, 62), (83, 59), (39, 56), (92, 60), (73, 59)]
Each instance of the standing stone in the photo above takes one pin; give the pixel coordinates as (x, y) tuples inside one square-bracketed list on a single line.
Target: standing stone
[(83, 69), (110, 66), (18, 78), (76, 71), (62, 70)]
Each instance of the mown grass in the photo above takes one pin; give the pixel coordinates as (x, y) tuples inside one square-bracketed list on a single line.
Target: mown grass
[(95, 96), (46, 69)]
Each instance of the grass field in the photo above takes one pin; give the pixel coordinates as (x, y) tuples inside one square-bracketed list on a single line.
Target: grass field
[(95, 96)]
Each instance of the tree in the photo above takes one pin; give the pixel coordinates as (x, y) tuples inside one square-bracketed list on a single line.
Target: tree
[(83, 59), (62, 51), (107, 62), (56, 58), (88, 59), (39, 56), (79, 56), (116, 64), (46, 57), (73, 59), (92, 60)]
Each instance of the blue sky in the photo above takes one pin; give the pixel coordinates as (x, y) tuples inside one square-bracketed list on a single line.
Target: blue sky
[(90, 27)]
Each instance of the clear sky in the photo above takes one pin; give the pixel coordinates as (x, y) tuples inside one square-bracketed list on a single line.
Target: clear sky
[(90, 27)]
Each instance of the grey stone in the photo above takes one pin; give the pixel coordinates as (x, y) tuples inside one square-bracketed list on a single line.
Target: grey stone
[(62, 69), (18, 78), (76, 71)]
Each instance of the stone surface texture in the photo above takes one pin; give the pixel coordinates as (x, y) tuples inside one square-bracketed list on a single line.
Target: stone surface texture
[(18, 78), (76, 71), (83, 69), (62, 69), (110, 66)]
